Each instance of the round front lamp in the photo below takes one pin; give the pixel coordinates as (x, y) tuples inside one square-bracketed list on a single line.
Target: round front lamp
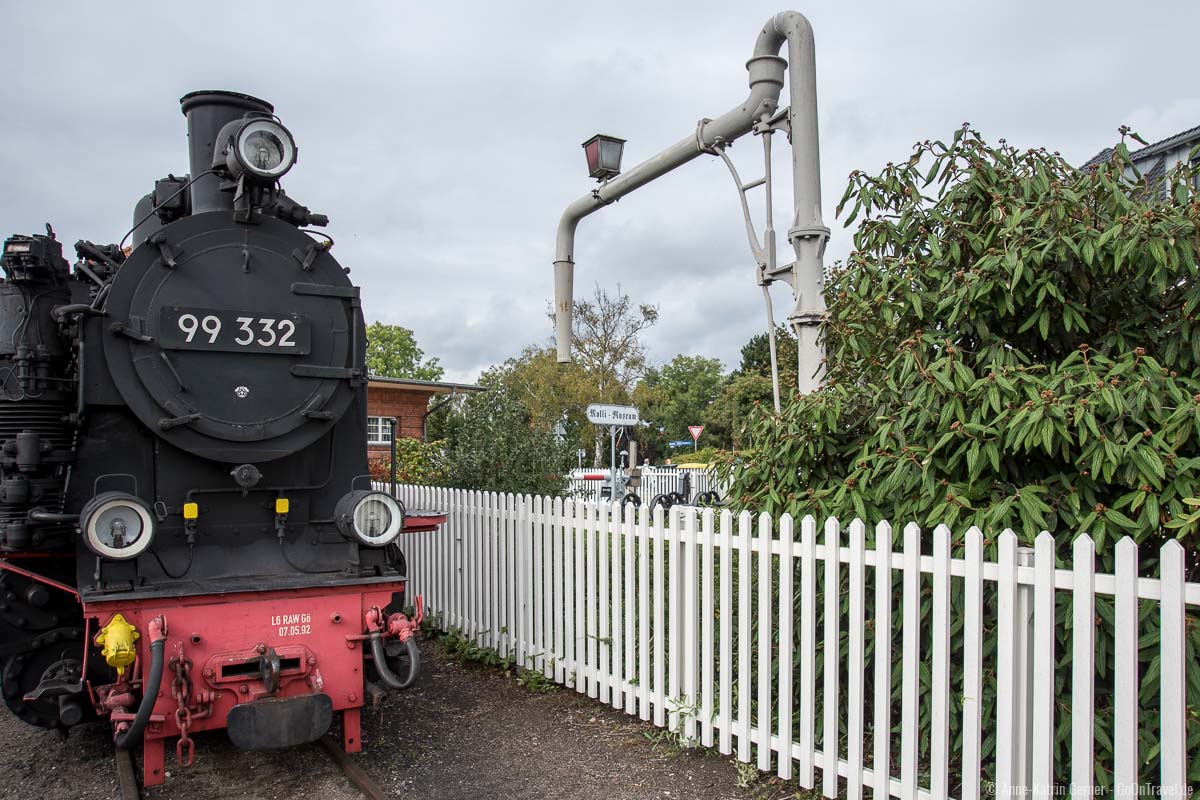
[(262, 148), (117, 525), (371, 518)]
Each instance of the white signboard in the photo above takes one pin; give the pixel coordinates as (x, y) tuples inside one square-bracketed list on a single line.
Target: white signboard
[(612, 415)]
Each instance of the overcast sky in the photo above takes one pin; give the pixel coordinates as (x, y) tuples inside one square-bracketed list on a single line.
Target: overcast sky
[(442, 138)]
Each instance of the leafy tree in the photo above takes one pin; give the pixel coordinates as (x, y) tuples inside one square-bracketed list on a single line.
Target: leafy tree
[(552, 392), (756, 356), (740, 397), (1018, 347), (749, 386), (705, 455), (1019, 350), (493, 444), (392, 352), (606, 335), (679, 393)]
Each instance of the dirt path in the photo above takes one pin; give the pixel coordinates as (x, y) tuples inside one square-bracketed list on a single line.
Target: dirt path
[(463, 732)]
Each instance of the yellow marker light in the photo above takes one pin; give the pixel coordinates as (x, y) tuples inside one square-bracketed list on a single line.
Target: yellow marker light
[(281, 505), (191, 510)]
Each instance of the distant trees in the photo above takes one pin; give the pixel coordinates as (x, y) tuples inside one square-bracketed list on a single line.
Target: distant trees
[(392, 352), (610, 357), (607, 342), (494, 443), (676, 395)]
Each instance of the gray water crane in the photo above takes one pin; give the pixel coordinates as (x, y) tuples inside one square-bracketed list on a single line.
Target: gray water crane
[(758, 114)]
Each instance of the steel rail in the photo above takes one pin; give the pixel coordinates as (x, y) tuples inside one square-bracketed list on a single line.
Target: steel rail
[(369, 788)]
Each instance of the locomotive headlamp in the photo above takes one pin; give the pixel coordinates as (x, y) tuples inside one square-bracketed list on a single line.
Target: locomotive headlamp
[(117, 525), (262, 148), (371, 518)]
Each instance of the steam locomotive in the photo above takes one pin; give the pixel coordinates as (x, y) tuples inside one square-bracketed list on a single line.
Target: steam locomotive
[(189, 538)]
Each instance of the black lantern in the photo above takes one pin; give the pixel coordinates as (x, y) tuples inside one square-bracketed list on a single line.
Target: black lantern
[(604, 156)]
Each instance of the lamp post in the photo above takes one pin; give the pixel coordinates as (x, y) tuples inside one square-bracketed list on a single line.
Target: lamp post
[(604, 156)]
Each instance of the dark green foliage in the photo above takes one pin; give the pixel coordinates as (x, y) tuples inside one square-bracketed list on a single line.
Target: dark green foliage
[(392, 352), (1020, 349), (756, 356), (416, 462), (493, 444), (1012, 343), (678, 394)]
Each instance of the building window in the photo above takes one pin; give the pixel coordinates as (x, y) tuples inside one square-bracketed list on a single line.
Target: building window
[(379, 429)]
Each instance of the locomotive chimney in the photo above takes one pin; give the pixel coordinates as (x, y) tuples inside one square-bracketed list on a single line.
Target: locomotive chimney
[(207, 112)]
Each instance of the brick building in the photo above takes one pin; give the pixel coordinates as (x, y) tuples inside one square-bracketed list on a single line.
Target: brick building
[(408, 403)]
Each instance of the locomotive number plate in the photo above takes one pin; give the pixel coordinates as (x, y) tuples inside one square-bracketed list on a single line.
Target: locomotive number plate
[(233, 331)]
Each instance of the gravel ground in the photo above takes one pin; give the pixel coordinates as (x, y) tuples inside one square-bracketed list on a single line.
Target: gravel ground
[(462, 732)]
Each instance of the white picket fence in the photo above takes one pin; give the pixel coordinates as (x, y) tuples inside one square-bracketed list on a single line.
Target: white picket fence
[(657, 617)]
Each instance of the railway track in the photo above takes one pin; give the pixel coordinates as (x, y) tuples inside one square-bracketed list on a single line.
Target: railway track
[(127, 777)]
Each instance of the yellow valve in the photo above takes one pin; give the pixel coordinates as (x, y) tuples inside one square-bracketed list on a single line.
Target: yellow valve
[(117, 638), (281, 505), (191, 510)]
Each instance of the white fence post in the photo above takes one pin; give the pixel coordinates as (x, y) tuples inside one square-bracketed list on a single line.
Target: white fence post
[(1172, 681), (831, 644), (1023, 661), (1006, 679), (1083, 667), (910, 683), (1044, 663), (707, 610), (745, 648), (765, 616), (939, 717)]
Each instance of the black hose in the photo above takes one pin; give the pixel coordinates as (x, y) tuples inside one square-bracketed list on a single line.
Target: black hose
[(414, 662), (133, 734)]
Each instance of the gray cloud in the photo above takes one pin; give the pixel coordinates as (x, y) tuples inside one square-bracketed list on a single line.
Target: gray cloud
[(443, 141)]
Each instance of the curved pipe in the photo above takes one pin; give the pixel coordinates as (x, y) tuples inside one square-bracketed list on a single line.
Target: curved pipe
[(60, 313), (385, 672), (133, 734), (50, 517), (808, 233)]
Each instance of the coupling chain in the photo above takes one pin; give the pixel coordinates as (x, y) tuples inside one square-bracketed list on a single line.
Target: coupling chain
[(181, 688)]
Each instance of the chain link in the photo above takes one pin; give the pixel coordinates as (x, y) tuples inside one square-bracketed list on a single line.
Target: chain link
[(181, 688)]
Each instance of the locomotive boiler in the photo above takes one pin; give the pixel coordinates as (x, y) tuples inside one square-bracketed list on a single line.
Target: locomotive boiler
[(189, 538)]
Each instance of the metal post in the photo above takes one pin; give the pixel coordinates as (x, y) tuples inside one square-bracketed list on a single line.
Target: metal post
[(1023, 701), (612, 444), (807, 233), (392, 427)]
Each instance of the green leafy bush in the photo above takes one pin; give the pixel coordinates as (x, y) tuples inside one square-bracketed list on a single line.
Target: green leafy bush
[(416, 462), (705, 455), (1017, 346), (494, 444)]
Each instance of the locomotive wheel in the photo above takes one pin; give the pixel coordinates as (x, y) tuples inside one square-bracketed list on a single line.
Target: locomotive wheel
[(54, 653), (28, 607), (665, 501), (631, 499)]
